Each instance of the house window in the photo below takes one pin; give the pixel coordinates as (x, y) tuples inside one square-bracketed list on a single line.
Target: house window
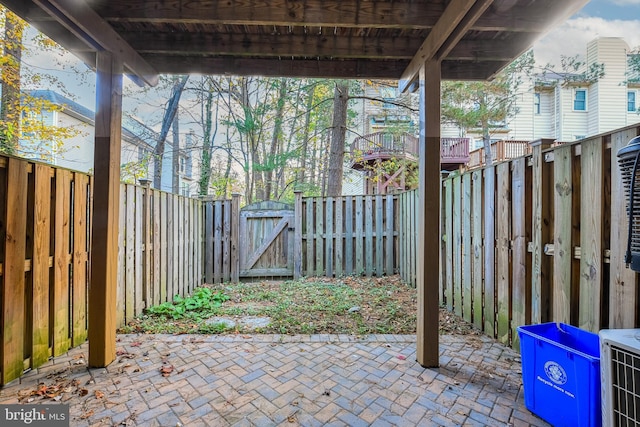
[(183, 163), (580, 100), (631, 101), (536, 103), (142, 154)]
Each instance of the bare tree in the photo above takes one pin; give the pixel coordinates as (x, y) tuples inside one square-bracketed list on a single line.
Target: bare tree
[(169, 115), (338, 134)]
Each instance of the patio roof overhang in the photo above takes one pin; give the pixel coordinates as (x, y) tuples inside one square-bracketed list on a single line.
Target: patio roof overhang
[(417, 42), (298, 38)]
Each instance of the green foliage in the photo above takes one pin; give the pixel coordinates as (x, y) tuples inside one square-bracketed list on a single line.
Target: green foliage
[(202, 304), (485, 105)]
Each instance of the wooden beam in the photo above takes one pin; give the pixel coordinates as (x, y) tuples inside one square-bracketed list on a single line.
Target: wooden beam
[(80, 19), (325, 13), (274, 45), (347, 69), (428, 239), (104, 249), (457, 18)]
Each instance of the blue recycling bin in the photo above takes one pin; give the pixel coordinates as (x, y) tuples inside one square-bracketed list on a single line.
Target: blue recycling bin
[(561, 374)]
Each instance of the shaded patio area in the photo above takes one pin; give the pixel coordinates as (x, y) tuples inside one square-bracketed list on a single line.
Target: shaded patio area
[(264, 380)]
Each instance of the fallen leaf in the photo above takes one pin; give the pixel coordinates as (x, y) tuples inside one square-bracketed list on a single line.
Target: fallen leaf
[(166, 370), (87, 415), (99, 394), (136, 344), (401, 356), (121, 351), (83, 392)]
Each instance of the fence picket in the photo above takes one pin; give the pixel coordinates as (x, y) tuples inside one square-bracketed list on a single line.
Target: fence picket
[(379, 236), (130, 255), (217, 241), (339, 237), (623, 281), (467, 300), (319, 236), (348, 238), (62, 258), (389, 237), (456, 237), (562, 244), (328, 259), (359, 265), (157, 294), (165, 293), (139, 257), (521, 271), (13, 295), (591, 224), (120, 290), (40, 264), (310, 233), (489, 251), (477, 227), (503, 259), (368, 236), (80, 259), (449, 243)]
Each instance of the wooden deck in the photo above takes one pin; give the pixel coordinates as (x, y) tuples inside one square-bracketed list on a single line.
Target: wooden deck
[(380, 146)]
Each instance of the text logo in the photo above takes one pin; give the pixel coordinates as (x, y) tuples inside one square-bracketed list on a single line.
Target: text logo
[(555, 372), (34, 415)]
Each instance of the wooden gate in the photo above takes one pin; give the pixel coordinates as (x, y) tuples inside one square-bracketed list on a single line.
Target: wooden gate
[(266, 240)]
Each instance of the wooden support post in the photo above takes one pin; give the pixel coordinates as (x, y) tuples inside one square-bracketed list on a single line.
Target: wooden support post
[(428, 242), (104, 250)]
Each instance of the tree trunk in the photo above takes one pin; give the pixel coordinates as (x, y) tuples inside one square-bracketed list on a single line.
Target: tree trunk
[(205, 167), (305, 138), (486, 140), (276, 141), (338, 132), (167, 120), (175, 179), (10, 103)]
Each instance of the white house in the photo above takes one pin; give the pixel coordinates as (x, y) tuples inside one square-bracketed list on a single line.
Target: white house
[(552, 106), (138, 143)]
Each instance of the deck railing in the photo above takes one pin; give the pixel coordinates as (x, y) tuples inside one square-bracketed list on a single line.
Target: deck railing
[(500, 151), (453, 150)]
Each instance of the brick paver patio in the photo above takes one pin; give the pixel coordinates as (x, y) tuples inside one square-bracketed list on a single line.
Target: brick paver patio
[(269, 380)]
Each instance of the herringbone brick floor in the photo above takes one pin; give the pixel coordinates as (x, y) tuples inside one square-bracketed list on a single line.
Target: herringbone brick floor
[(270, 380)]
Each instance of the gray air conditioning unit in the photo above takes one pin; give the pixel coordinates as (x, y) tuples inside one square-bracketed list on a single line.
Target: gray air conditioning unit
[(629, 163), (620, 377)]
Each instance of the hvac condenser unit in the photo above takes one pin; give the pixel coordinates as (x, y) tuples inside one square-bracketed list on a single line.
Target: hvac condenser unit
[(629, 163), (620, 377)]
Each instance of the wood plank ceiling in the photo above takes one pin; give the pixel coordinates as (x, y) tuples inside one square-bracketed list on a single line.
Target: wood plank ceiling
[(295, 38)]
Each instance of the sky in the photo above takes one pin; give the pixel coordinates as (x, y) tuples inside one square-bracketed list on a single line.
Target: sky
[(598, 18)]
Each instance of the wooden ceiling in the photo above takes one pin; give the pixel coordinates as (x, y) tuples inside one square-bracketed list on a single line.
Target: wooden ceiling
[(299, 38)]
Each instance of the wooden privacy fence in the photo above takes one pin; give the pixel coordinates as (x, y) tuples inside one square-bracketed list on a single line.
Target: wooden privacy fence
[(160, 252), (44, 230), (221, 233), (349, 235), (541, 238), (321, 236)]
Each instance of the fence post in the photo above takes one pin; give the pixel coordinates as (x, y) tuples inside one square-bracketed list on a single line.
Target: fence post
[(297, 239), (235, 236), (540, 233)]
